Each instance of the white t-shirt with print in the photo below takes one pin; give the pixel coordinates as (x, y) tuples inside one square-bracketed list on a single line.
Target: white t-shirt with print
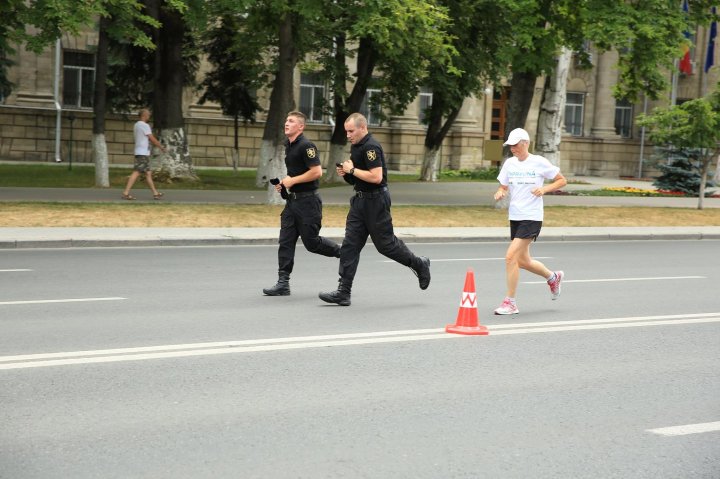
[(521, 177), (142, 144)]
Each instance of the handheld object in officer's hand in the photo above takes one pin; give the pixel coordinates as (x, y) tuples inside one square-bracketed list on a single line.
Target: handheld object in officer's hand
[(339, 165), (283, 190)]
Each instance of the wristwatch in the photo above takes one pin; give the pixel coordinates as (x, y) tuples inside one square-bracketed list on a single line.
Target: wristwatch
[(352, 170)]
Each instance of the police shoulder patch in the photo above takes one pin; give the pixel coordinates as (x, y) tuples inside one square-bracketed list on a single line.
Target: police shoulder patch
[(372, 155), (311, 152)]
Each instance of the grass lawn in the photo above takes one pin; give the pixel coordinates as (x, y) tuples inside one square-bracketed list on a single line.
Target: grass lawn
[(161, 215)]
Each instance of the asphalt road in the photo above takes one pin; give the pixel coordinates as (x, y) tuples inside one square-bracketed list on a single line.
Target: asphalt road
[(169, 363)]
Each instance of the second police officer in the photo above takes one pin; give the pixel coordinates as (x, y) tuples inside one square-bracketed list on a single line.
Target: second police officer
[(369, 213)]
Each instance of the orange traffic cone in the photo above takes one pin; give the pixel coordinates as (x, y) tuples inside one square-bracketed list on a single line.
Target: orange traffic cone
[(467, 320)]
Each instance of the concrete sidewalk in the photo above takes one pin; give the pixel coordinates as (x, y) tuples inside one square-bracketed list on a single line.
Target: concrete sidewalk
[(11, 238), (449, 194)]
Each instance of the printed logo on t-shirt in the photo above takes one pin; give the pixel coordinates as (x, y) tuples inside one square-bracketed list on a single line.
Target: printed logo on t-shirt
[(526, 177)]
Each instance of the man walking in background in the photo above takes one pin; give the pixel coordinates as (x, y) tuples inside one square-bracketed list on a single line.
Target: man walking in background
[(143, 137)]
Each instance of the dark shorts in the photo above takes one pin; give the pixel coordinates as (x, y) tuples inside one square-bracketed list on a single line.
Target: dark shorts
[(525, 229), (142, 163)]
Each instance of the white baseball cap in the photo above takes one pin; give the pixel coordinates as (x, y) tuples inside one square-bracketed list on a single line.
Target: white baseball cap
[(516, 136)]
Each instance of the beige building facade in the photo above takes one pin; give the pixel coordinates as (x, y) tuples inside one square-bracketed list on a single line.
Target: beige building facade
[(600, 137)]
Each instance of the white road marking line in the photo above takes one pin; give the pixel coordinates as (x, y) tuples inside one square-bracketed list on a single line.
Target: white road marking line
[(653, 278), (687, 429), (74, 300), (308, 342), (13, 270), (447, 260)]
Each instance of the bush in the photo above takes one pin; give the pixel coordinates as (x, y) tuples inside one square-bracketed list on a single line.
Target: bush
[(477, 174), (680, 171)]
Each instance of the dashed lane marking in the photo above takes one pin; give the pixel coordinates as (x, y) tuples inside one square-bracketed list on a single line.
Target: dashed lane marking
[(72, 300), (687, 429)]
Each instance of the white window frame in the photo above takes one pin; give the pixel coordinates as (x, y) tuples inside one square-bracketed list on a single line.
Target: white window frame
[(372, 114), (574, 111), (310, 85), (425, 99), (80, 71), (624, 118)]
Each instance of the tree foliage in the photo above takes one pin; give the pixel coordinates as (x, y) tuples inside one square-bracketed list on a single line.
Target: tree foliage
[(693, 129)]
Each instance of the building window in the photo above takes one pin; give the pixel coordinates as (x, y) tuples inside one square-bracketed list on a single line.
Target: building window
[(425, 102), (370, 107), (623, 118), (574, 107), (78, 79), (312, 96)]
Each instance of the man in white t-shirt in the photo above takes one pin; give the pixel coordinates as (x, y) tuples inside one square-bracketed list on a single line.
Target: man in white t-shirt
[(522, 176), (143, 137)]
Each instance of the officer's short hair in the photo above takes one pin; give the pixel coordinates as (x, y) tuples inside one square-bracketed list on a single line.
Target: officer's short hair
[(358, 120), (299, 115)]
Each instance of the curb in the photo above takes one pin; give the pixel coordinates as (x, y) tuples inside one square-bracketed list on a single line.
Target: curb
[(236, 241)]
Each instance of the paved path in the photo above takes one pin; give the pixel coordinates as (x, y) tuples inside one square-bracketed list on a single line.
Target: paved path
[(457, 194)]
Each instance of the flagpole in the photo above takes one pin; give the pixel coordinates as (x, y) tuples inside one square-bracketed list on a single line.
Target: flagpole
[(673, 90)]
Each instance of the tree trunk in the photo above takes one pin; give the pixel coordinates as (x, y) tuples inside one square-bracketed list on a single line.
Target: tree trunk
[(236, 149), (703, 179), (99, 146), (522, 89), (272, 152), (168, 96), (436, 132), (366, 60), (550, 122), (716, 176), (431, 161)]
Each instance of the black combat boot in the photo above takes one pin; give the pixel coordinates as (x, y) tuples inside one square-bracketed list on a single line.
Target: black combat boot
[(422, 271), (281, 288), (341, 296)]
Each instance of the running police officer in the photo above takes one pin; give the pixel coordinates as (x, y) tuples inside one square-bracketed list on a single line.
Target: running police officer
[(369, 212), (302, 215)]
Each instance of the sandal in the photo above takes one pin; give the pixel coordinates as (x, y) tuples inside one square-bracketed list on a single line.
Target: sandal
[(158, 196), (127, 197)]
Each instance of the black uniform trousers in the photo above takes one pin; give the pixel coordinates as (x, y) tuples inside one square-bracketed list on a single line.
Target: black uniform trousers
[(370, 216), (302, 218)]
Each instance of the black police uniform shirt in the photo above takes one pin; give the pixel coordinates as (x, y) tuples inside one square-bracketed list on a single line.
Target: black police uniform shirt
[(367, 154), (300, 155)]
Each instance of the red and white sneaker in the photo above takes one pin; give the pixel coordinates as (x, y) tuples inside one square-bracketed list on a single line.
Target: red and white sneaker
[(507, 307), (555, 284)]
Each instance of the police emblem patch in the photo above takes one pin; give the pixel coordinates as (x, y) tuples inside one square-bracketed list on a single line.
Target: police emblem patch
[(311, 153), (372, 155)]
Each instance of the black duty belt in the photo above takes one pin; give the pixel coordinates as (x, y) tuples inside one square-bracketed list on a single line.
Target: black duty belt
[(372, 193), (301, 194)]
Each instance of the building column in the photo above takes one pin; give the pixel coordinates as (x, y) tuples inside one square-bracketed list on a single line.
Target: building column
[(407, 145), (35, 78), (465, 139), (604, 109)]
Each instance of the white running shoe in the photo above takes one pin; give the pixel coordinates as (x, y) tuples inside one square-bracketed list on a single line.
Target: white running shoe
[(555, 284), (507, 307)]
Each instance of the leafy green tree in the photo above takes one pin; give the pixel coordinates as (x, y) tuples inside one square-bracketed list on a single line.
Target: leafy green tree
[(118, 22), (233, 81), (647, 36), (140, 77), (693, 127), (396, 39), (37, 24), (479, 29)]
